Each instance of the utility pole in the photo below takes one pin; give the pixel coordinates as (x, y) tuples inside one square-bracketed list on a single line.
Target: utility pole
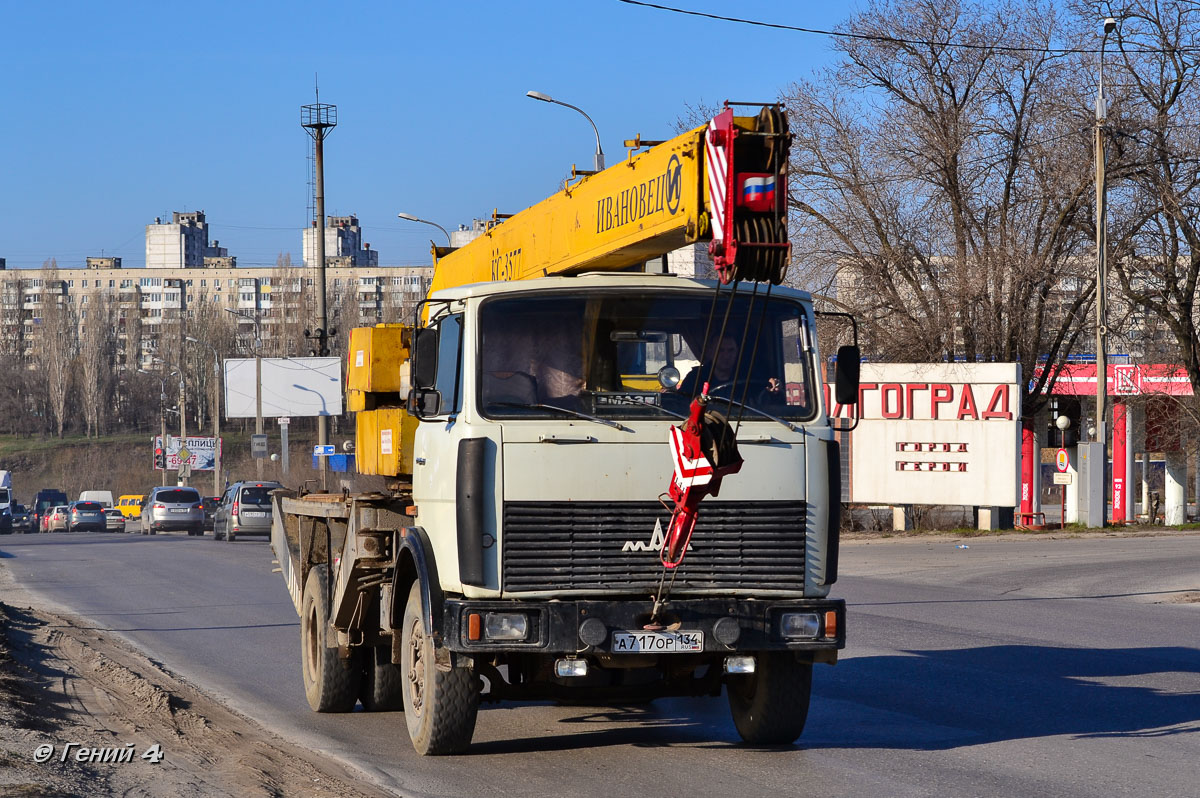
[(183, 477), (162, 420), (1100, 517), (319, 119)]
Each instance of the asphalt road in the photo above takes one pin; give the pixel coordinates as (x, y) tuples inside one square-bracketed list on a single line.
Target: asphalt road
[(1012, 667)]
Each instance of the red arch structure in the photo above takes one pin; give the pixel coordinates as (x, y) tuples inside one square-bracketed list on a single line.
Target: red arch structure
[(1122, 382)]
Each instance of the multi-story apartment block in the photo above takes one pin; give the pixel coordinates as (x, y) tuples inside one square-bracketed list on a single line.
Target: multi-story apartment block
[(343, 244), (167, 301)]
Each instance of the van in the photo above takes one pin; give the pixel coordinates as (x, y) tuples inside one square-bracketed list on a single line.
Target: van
[(43, 502), (102, 497), (130, 505), (245, 509)]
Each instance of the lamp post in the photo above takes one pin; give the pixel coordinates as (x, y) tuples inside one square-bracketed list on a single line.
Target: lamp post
[(598, 161), (1063, 423), (258, 421), (216, 416), (409, 217), (1110, 25)]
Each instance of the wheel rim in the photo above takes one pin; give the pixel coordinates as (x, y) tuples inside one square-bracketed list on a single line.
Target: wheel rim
[(313, 647), (416, 665)]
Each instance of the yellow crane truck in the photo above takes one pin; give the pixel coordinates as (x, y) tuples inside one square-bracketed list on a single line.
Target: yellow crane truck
[(605, 481)]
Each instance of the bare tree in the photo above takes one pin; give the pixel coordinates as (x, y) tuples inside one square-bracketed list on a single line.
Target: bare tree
[(939, 183), (97, 354), (56, 347)]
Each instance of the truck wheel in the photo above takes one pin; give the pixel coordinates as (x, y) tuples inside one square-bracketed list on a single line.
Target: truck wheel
[(330, 682), (382, 686), (770, 706), (439, 706)]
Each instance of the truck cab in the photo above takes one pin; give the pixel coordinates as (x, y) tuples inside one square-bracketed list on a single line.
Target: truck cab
[(524, 543)]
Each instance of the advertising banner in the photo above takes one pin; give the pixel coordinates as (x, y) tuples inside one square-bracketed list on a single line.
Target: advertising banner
[(199, 454)]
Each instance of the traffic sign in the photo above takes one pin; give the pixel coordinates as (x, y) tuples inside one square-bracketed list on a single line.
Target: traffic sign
[(284, 421), (1062, 479), (324, 451), (258, 445), (1062, 460)]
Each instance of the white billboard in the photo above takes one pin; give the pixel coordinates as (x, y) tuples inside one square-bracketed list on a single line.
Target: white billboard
[(291, 386), (937, 433)]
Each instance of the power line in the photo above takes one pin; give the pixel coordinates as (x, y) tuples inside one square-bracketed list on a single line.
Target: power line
[(893, 39)]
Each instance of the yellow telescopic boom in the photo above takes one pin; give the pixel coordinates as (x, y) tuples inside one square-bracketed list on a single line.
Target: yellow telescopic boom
[(651, 203)]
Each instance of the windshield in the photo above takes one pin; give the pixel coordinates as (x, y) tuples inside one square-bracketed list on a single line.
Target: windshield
[(88, 507), (49, 500), (612, 355)]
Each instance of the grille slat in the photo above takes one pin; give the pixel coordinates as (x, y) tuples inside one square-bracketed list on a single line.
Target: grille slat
[(579, 545)]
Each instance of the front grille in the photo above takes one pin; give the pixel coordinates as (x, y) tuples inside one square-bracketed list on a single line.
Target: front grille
[(607, 546)]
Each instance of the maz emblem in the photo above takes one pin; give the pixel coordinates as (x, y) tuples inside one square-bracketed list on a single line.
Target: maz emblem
[(657, 539)]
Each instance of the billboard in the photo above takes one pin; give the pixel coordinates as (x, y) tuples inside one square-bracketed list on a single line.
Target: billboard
[(936, 433), (199, 453), (291, 386)]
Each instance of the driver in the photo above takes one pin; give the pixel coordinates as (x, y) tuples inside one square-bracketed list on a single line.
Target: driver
[(721, 380)]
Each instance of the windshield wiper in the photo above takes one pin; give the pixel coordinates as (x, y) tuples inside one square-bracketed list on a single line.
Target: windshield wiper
[(716, 399), (575, 413)]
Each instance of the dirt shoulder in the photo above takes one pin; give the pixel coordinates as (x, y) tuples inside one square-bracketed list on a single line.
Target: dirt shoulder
[(91, 701)]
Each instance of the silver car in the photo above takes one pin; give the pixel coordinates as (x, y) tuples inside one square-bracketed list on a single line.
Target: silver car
[(114, 521), (85, 517), (245, 509), (172, 509)]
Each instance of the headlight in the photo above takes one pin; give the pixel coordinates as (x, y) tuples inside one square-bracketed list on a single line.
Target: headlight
[(799, 624), (505, 626)]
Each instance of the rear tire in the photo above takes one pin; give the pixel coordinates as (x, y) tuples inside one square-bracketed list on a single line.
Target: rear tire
[(439, 706), (770, 706), (330, 682), (382, 688)]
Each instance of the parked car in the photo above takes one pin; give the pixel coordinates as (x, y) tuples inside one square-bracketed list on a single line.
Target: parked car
[(113, 520), (43, 502), (58, 519), (209, 504), (86, 517), (22, 520), (130, 505), (245, 509), (173, 508)]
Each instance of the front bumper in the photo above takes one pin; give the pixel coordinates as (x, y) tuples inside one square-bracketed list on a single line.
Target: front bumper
[(555, 626)]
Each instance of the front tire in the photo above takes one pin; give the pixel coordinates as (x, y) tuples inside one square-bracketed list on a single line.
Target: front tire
[(330, 682), (439, 706), (770, 706)]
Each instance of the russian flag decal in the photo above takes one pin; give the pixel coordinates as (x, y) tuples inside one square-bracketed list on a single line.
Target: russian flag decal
[(756, 191)]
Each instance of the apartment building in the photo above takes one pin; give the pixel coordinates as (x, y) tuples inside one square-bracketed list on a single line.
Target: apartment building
[(159, 302)]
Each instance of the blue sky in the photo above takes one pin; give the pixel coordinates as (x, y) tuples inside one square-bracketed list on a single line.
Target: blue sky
[(120, 112)]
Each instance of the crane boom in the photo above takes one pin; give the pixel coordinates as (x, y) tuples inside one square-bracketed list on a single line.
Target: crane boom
[(651, 203)]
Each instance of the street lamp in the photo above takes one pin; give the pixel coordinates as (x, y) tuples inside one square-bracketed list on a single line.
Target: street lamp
[(1063, 423), (1110, 25), (258, 420), (216, 415), (409, 217), (599, 158)]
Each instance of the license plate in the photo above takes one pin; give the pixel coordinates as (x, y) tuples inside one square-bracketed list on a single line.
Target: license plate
[(656, 642), (254, 515), (180, 510)]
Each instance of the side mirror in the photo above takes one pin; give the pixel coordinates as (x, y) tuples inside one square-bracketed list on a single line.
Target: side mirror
[(424, 358), (847, 375), (424, 403)]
